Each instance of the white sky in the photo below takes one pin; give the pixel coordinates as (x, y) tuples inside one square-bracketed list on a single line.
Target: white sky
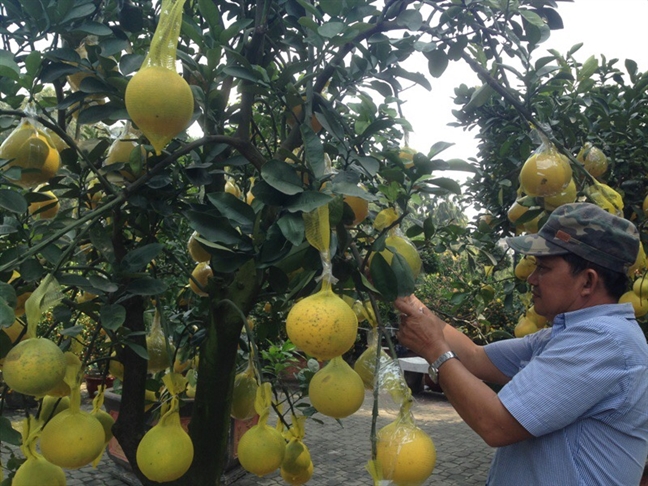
[(616, 29)]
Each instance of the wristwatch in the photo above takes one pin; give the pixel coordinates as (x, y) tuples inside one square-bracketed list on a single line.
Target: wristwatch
[(433, 370)]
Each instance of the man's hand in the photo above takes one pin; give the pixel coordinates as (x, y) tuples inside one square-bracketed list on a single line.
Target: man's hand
[(420, 330)]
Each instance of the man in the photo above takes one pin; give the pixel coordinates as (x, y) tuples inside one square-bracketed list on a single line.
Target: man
[(574, 406)]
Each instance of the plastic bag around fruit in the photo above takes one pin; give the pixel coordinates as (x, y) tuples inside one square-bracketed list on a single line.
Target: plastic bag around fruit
[(33, 158), (381, 371), (405, 453), (546, 172)]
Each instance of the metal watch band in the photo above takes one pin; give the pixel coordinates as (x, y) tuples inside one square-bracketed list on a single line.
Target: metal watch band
[(433, 370)]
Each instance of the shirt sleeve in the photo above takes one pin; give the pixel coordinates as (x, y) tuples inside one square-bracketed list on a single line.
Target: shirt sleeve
[(511, 355), (577, 375)]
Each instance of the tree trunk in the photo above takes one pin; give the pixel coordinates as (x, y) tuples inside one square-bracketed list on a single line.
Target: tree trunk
[(130, 427), (210, 423)]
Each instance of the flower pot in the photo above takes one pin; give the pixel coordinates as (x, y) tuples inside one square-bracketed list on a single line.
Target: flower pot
[(94, 381)]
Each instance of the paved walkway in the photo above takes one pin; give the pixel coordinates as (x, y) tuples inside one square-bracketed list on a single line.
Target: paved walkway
[(340, 452)]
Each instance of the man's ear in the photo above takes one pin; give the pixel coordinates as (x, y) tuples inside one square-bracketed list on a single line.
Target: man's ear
[(592, 280)]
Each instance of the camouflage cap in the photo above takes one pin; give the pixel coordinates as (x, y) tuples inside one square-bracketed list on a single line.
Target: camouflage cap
[(587, 231)]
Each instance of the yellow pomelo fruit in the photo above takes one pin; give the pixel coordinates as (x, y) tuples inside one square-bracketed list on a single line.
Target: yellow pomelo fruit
[(159, 115), (406, 249), (196, 251), (405, 453), (385, 218), (106, 421), (297, 114), (297, 479), (116, 368), (516, 211), (640, 263), (605, 197), (52, 406), (34, 366), (261, 450), (568, 195), (545, 174), (336, 390), (156, 346), (46, 209), (120, 152), (72, 439), (365, 365), (202, 273), (166, 452), (243, 396), (20, 303), (407, 156), (322, 325), (297, 458), (15, 330), (644, 206), (639, 304), (640, 286), (525, 267), (524, 326), (233, 189), (32, 151), (593, 159), (360, 208), (537, 319), (37, 471)]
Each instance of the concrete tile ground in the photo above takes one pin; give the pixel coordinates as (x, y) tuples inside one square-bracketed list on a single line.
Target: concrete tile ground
[(340, 452)]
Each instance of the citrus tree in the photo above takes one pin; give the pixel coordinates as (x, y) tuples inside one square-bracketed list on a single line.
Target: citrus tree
[(170, 168), (591, 111)]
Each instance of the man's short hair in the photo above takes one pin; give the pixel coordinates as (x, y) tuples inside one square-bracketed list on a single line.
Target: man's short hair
[(615, 283)]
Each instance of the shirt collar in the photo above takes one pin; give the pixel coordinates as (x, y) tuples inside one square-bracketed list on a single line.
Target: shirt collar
[(561, 321)]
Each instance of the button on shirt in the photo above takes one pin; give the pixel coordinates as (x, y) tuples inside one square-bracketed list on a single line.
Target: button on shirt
[(581, 389)]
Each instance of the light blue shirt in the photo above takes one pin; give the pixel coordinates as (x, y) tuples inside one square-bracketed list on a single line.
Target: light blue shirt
[(581, 389)]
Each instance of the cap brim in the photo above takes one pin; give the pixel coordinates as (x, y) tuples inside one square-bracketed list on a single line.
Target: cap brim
[(534, 245)]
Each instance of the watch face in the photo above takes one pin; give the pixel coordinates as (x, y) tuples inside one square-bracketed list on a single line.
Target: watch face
[(434, 375)]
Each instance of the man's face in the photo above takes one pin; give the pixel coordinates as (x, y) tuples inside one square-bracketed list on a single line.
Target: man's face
[(555, 289)]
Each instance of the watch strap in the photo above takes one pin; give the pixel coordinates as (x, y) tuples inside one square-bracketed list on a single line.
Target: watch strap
[(433, 370)]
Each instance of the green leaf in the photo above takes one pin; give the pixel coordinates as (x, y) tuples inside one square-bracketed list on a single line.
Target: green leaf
[(215, 229), (112, 316), (310, 9), (446, 183), (331, 7), (383, 277), (292, 227), (146, 286), (94, 28), (234, 209), (108, 113), (331, 29), (308, 201), (411, 19), (139, 350), (282, 176), (437, 62), (404, 277), (223, 261), (140, 257), (12, 201), (211, 14), (8, 434), (102, 284), (589, 67), (314, 151), (7, 316), (8, 66), (533, 18), (8, 295)]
